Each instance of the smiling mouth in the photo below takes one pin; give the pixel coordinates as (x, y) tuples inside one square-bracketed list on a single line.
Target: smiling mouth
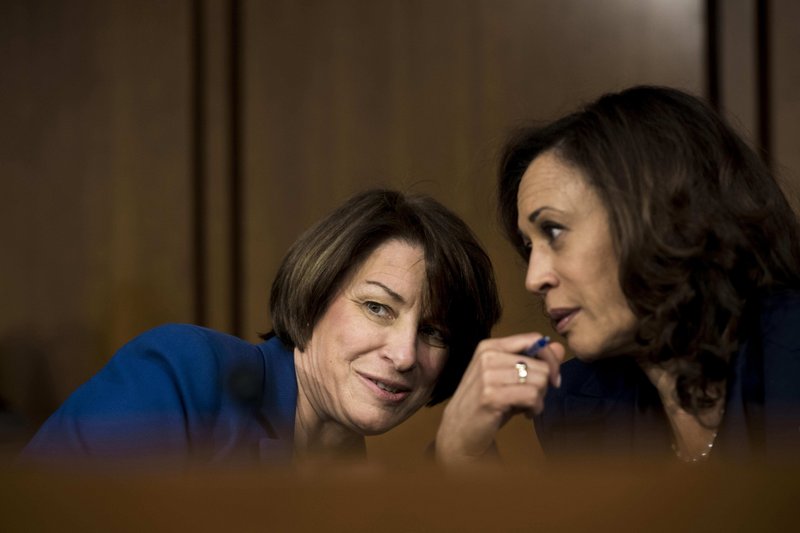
[(387, 390)]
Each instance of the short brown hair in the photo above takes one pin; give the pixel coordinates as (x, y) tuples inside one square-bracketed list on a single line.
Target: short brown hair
[(461, 290), (700, 224)]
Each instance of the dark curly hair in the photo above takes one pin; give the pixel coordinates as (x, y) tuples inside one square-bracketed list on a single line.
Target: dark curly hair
[(699, 223)]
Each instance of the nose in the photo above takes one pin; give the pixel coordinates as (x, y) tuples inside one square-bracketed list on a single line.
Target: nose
[(540, 276), (401, 347)]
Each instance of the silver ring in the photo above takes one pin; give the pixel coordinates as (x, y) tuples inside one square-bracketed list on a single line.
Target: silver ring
[(522, 372)]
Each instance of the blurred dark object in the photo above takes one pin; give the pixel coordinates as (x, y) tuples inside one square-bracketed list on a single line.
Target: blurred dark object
[(26, 388), (14, 430)]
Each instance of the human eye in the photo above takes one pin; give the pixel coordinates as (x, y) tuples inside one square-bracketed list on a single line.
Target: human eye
[(377, 309), (433, 336), (551, 230)]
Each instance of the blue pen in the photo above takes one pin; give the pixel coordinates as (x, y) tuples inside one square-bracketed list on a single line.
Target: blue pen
[(537, 346)]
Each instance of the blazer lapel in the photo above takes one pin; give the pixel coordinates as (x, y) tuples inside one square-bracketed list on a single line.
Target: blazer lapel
[(609, 386), (616, 411)]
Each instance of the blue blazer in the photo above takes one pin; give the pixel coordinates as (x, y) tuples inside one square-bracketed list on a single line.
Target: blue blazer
[(179, 391), (609, 407)]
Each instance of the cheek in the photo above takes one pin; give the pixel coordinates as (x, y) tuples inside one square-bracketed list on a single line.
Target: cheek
[(613, 310), (599, 282), (345, 339), (626, 322), (432, 361), (615, 327)]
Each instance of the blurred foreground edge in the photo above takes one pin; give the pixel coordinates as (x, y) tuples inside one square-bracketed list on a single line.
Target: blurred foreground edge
[(571, 495)]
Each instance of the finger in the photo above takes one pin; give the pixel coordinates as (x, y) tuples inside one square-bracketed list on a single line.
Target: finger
[(521, 397), (511, 344), (518, 370), (496, 353), (503, 388), (553, 355)]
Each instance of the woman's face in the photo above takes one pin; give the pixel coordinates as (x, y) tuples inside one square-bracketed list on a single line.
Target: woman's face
[(373, 358), (572, 263)]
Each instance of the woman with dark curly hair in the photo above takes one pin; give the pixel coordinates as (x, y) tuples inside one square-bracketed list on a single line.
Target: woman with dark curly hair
[(668, 257)]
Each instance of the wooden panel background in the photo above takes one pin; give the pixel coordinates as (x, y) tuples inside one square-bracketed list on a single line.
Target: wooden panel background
[(158, 158), (784, 96), (94, 223), (419, 95)]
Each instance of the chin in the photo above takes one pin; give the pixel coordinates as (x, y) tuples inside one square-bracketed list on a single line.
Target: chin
[(375, 426), (587, 357), (594, 351), (584, 352)]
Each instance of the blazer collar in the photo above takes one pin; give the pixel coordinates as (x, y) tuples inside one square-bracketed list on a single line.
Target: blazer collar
[(613, 387), (610, 378)]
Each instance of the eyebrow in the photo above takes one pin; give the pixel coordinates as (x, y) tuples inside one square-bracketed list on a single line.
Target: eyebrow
[(533, 216), (389, 291)]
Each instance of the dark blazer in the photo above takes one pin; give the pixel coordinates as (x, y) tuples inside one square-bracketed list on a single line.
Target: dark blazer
[(609, 407), (179, 391)]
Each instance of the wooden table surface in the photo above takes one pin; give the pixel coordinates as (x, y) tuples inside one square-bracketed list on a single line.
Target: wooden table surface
[(574, 496)]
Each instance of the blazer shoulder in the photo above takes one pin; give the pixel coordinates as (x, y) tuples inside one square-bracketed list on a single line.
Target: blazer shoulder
[(187, 339), (160, 392), (188, 350)]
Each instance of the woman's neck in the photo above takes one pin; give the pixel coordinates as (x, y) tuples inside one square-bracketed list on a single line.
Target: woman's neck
[(693, 437), (317, 436)]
